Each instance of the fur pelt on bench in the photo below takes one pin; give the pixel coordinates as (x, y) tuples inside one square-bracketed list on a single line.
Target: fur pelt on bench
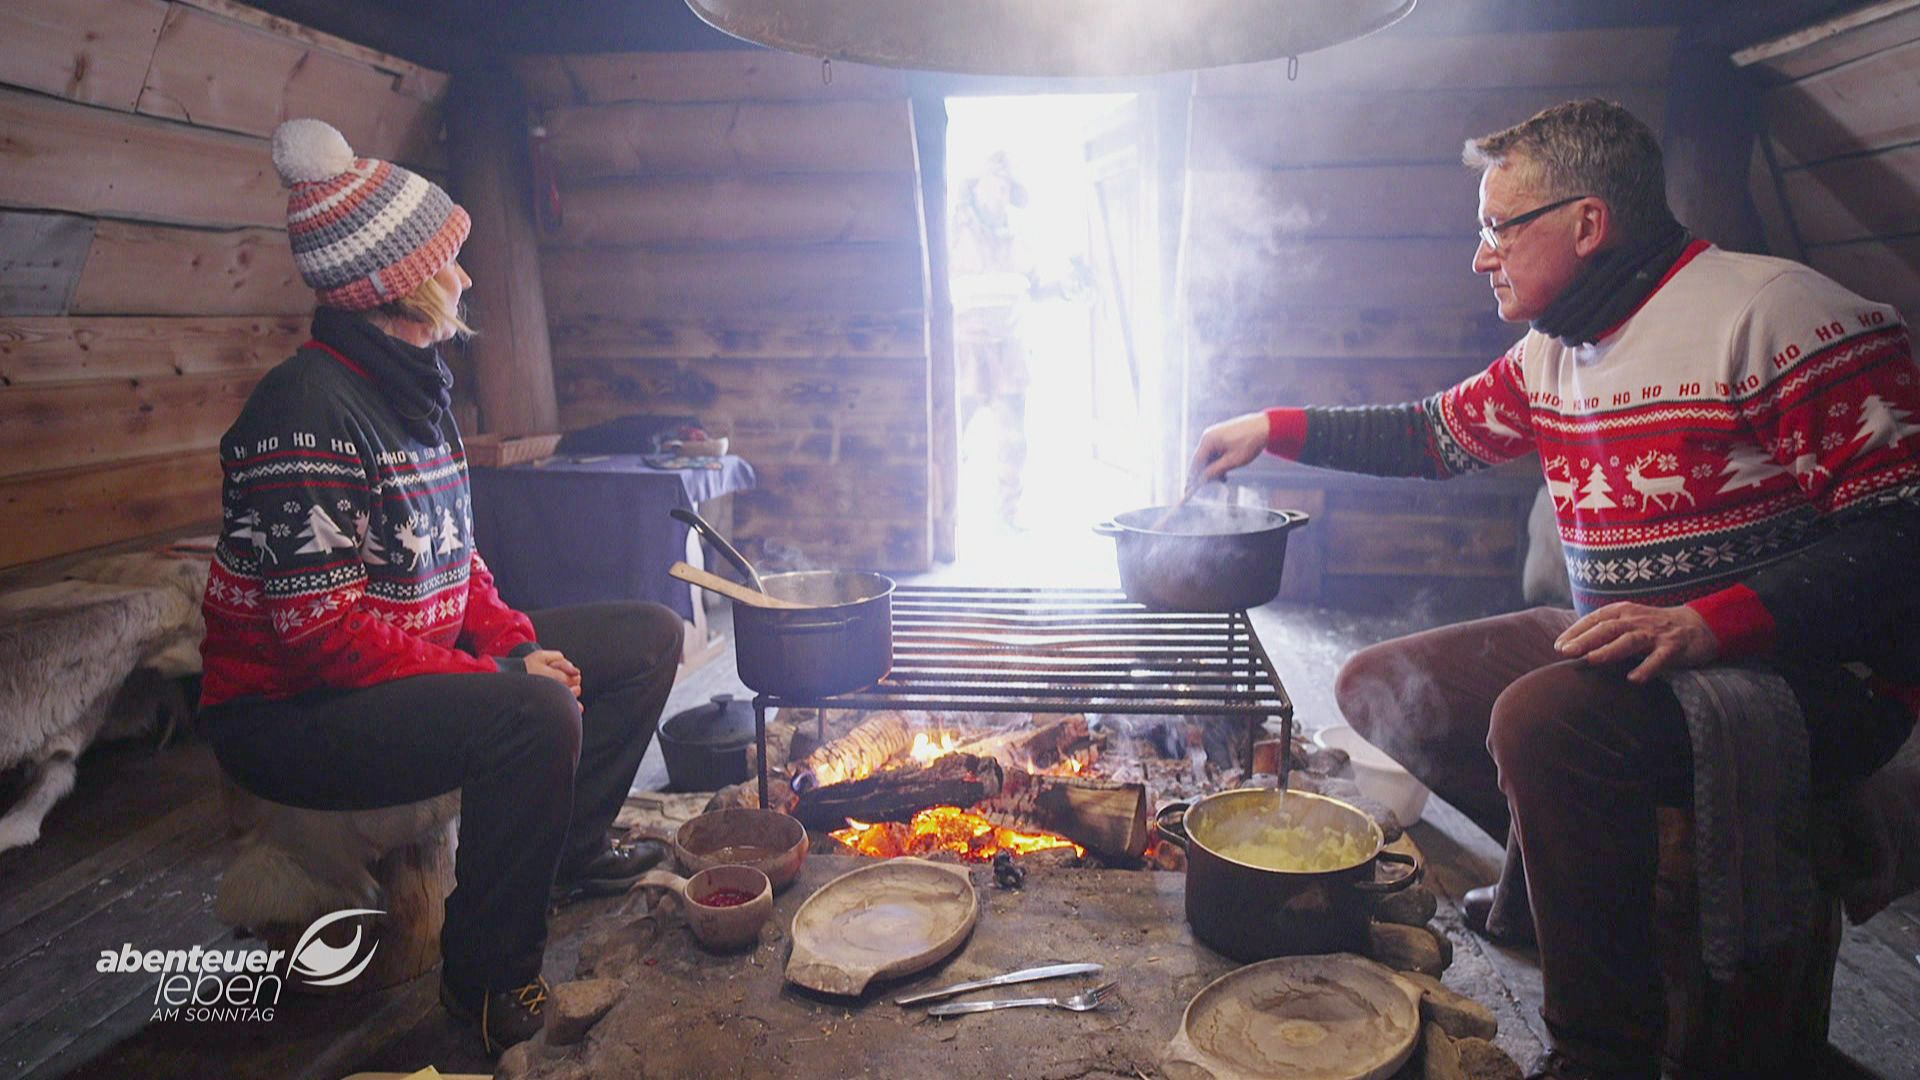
[(69, 654), (294, 865)]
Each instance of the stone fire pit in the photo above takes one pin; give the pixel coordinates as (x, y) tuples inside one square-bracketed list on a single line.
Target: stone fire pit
[(679, 1011)]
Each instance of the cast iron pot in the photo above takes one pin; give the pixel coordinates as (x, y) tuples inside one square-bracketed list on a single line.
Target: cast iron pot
[(1252, 913), (1201, 556), (706, 747)]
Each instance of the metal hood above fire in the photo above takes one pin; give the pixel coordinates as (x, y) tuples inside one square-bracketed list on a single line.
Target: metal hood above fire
[(1050, 37)]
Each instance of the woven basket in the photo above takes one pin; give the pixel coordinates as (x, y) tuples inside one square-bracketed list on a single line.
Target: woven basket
[(500, 451)]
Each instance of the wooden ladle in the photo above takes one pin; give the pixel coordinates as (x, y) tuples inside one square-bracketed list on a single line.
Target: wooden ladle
[(712, 582)]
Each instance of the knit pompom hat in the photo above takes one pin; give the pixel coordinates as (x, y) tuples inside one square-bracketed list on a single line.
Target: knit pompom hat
[(364, 231)]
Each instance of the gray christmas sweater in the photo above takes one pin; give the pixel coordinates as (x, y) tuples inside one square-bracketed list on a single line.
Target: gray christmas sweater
[(346, 555)]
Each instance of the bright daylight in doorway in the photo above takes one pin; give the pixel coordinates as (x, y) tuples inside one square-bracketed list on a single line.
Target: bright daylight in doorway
[(1043, 273)]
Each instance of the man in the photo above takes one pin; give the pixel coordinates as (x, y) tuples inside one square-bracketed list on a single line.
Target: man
[(1729, 442)]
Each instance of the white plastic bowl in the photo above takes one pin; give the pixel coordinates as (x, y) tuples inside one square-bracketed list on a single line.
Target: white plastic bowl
[(1378, 776)]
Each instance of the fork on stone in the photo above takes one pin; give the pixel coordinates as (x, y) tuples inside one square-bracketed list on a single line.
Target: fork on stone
[(1083, 1001)]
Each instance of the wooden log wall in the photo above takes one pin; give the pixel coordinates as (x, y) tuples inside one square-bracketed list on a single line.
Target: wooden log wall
[(1326, 260), (740, 240), (1842, 176), (145, 278)]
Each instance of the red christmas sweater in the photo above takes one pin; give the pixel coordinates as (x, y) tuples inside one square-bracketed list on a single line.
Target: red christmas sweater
[(1746, 442), (346, 557)]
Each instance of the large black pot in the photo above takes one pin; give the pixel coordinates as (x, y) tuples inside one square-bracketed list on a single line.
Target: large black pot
[(709, 746), (1252, 913), (842, 641), (1202, 556)]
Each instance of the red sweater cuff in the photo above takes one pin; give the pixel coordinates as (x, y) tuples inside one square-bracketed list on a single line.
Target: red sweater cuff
[(1739, 620), (1286, 432)]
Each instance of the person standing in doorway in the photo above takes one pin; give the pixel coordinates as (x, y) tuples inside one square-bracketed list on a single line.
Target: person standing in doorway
[(991, 283)]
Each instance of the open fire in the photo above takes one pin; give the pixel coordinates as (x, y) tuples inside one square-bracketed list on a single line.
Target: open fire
[(949, 829)]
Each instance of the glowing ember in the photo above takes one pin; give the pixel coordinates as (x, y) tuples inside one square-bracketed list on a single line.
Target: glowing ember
[(925, 750), (945, 828)]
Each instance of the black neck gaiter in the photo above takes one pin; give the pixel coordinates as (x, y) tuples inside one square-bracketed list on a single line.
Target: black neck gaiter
[(1611, 286), (415, 380)]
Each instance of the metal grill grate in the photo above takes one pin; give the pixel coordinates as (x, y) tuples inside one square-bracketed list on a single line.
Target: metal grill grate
[(978, 649)]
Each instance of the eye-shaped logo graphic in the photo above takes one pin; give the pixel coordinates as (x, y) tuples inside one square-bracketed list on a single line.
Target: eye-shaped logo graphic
[(320, 964)]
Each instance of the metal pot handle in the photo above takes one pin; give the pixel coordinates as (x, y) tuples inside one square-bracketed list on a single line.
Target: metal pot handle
[(1171, 823), (1393, 885), (1296, 518), (1109, 528)]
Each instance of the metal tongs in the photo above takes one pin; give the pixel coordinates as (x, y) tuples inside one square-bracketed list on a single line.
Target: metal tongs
[(1052, 971)]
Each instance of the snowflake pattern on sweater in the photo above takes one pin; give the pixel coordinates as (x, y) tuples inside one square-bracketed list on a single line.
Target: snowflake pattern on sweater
[(346, 554), (1749, 399)]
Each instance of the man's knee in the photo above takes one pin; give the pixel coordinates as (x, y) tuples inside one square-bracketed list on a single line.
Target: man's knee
[(1543, 715), (1379, 693), (660, 632)]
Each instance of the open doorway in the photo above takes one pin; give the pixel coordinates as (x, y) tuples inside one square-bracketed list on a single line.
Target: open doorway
[(1054, 278)]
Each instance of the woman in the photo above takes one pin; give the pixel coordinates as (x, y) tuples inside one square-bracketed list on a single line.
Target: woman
[(357, 654)]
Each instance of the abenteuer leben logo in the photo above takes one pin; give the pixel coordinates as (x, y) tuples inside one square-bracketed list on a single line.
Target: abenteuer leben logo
[(244, 984)]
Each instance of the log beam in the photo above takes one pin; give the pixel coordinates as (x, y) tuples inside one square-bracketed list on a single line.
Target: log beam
[(491, 177)]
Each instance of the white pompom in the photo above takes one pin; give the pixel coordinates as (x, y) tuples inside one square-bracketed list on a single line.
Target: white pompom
[(308, 150)]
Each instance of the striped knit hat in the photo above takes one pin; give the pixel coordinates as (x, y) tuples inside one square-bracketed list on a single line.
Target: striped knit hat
[(364, 231)]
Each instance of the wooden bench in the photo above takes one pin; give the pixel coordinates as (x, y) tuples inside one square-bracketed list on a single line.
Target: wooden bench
[(294, 866)]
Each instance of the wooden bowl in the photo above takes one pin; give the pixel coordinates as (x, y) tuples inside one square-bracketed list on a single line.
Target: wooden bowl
[(769, 841), (733, 926), (1331, 1017), (883, 921)]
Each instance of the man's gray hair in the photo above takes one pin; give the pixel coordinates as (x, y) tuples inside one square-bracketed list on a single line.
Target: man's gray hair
[(1588, 147)]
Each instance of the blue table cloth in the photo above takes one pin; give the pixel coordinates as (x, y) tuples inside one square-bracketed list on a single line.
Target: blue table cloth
[(582, 528)]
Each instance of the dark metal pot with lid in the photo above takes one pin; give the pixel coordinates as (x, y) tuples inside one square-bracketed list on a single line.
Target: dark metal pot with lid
[(1201, 556), (709, 746)]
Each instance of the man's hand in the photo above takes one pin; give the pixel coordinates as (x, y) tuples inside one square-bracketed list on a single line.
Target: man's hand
[(1669, 637), (1228, 445), (551, 664)]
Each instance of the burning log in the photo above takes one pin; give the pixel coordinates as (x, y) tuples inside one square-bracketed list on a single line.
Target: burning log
[(1054, 740), (1106, 817), (898, 794), (861, 751)]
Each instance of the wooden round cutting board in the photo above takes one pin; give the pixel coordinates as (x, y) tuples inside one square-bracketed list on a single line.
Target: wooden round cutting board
[(882, 921), (1335, 1017)]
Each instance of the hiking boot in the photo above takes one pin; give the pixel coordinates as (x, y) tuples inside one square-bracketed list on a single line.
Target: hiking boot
[(504, 1017), (611, 872)]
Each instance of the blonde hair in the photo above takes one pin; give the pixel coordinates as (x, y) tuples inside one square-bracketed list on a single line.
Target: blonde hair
[(430, 303)]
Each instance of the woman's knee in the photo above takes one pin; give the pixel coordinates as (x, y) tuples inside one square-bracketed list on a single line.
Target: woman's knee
[(547, 718)]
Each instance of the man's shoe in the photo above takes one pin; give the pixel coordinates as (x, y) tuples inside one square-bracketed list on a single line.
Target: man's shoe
[(611, 872), (1477, 906), (504, 1017), (1556, 1065)]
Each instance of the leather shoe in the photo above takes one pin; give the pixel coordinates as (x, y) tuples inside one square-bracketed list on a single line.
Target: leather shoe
[(504, 1017), (1477, 906), (611, 872)]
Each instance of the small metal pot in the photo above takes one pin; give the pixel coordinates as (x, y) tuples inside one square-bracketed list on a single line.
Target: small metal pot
[(842, 641), (708, 746), (1201, 556), (1253, 913)]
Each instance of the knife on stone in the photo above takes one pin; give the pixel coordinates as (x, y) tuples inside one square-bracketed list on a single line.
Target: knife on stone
[(1052, 971)]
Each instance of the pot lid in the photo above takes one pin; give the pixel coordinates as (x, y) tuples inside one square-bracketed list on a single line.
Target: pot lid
[(1058, 37), (724, 721)]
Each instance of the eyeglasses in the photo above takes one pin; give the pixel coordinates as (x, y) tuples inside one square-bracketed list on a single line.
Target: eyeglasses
[(1490, 234)]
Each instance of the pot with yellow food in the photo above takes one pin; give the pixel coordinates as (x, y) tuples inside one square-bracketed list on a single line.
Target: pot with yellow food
[(1281, 873)]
